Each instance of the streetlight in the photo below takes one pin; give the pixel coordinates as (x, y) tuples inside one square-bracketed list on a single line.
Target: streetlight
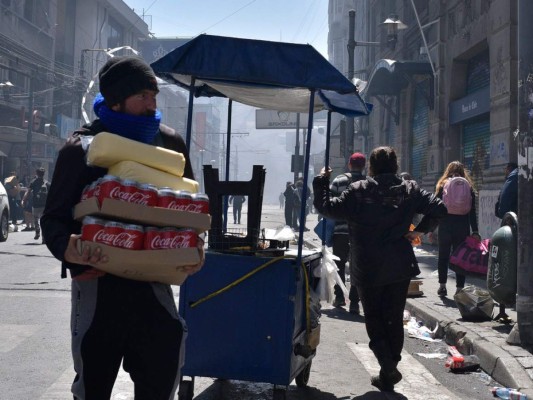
[(393, 25), (6, 85)]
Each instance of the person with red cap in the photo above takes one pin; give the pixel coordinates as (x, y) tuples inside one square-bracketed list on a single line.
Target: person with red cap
[(341, 243), (115, 320)]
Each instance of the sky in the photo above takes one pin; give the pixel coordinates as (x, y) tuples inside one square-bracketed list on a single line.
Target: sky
[(296, 21)]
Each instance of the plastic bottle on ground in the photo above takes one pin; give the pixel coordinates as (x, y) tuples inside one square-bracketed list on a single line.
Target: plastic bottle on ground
[(508, 393)]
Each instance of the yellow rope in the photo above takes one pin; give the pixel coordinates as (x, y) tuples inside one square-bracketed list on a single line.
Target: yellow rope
[(235, 283), (254, 271)]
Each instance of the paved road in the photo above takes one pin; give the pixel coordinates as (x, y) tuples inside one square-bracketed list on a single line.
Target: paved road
[(35, 356)]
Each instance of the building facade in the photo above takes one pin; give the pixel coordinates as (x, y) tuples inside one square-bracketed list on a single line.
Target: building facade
[(446, 90)]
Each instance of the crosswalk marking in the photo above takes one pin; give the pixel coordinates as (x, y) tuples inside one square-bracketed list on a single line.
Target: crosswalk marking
[(12, 335), (417, 382), (60, 389)]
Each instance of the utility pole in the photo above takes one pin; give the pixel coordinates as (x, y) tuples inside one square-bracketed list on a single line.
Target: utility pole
[(29, 140), (348, 148), (297, 149), (524, 301)]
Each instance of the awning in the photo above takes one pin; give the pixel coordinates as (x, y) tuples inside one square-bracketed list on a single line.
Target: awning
[(263, 74), (389, 77)]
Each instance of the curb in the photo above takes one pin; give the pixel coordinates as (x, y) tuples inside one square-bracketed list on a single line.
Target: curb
[(501, 365)]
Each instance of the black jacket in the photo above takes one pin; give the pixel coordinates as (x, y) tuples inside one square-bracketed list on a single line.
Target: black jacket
[(379, 212), (72, 174)]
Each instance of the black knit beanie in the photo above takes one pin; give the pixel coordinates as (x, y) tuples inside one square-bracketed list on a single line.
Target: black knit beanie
[(124, 76)]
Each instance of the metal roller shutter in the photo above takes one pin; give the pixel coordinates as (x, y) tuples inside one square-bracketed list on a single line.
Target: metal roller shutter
[(419, 136), (476, 146)]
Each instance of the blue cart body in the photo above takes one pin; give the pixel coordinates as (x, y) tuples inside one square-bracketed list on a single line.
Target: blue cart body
[(250, 331)]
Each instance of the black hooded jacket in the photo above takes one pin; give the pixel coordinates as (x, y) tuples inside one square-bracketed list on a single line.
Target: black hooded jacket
[(379, 211)]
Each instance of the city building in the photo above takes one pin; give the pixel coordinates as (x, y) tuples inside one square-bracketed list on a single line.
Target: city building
[(444, 86)]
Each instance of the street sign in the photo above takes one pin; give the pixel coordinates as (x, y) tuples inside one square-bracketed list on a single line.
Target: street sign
[(269, 119)]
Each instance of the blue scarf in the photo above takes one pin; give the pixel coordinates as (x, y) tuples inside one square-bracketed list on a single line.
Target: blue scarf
[(135, 127)]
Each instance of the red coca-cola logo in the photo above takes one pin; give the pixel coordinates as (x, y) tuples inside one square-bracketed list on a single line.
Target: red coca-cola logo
[(125, 240), (180, 205), (175, 242), (196, 208), (135, 197)]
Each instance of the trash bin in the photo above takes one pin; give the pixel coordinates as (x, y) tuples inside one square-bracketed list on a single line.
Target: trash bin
[(502, 273)]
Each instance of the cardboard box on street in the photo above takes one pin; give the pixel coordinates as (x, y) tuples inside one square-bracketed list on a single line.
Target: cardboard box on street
[(163, 266), (144, 215)]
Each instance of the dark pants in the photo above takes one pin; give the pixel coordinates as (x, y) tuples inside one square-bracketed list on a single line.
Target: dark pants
[(383, 307), (341, 248), (290, 218), (13, 209), (453, 230), (117, 320), (237, 213)]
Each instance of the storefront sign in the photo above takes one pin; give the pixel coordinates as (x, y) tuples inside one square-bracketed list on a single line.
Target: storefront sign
[(470, 106)]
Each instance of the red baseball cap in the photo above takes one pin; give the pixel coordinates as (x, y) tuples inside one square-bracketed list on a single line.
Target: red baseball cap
[(358, 160)]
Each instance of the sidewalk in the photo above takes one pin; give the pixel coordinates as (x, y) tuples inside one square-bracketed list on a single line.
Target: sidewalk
[(510, 365)]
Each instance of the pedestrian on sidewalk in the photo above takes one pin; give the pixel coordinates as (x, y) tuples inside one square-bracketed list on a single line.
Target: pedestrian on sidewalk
[(237, 201), (290, 200), (13, 187), (508, 197), (379, 211), (38, 190), (341, 243), (454, 229)]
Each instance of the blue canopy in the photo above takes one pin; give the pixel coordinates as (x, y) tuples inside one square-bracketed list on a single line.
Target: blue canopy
[(264, 74)]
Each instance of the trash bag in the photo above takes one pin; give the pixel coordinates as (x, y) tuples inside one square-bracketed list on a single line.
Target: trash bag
[(474, 304), (329, 277)]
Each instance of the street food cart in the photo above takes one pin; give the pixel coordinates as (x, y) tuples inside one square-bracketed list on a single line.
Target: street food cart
[(250, 311)]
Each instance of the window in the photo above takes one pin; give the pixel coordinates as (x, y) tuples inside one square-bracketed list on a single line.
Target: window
[(116, 34)]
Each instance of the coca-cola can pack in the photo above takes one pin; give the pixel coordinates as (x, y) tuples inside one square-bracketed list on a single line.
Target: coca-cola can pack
[(91, 228), (107, 187), (169, 238), (165, 197), (173, 199), (149, 194), (200, 203), (113, 233)]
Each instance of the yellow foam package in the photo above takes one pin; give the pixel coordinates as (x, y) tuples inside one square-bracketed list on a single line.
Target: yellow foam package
[(107, 149), (144, 174)]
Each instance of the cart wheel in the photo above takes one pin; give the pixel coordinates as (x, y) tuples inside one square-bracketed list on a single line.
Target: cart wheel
[(303, 377), (186, 390), (280, 394)]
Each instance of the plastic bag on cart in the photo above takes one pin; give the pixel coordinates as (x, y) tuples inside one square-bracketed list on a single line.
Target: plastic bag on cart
[(329, 276)]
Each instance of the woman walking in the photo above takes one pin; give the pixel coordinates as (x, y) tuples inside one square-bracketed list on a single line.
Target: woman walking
[(455, 227)]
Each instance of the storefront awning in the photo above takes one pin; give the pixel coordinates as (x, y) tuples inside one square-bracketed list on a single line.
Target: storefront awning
[(389, 77)]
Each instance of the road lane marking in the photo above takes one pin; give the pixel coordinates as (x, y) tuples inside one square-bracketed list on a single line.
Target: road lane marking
[(11, 335), (417, 382)]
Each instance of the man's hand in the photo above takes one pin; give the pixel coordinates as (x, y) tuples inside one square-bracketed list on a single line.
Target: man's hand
[(326, 173), (192, 269), (86, 257), (413, 235)]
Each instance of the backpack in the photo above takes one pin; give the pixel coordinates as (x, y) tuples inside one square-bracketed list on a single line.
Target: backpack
[(39, 197), (457, 195)]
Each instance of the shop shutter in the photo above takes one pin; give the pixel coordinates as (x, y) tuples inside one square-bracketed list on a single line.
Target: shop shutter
[(476, 134), (476, 146), (478, 73), (419, 135)]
